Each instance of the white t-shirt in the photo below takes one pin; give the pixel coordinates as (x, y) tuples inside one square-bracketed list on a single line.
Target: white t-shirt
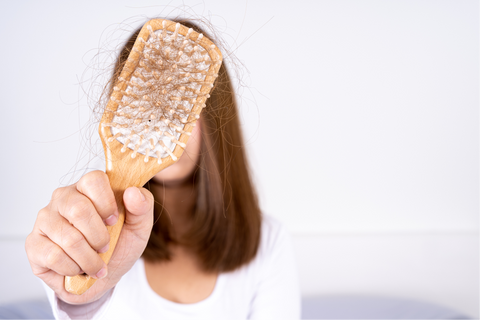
[(266, 288)]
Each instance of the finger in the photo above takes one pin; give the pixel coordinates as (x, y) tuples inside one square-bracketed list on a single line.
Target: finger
[(81, 213), (44, 255), (54, 281), (96, 186), (139, 208), (74, 244)]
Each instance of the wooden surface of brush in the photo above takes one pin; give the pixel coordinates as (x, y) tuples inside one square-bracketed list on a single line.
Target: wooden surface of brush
[(151, 112)]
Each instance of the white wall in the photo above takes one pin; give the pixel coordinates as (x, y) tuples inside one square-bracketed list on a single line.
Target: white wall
[(361, 118)]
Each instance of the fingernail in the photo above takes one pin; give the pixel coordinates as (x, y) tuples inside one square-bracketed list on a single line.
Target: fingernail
[(111, 220), (141, 195), (104, 249), (102, 273)]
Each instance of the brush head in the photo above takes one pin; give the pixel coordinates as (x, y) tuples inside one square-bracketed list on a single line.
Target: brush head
[(160, 93)]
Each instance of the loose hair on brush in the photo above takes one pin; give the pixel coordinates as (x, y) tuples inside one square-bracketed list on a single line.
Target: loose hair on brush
[(227, 220)]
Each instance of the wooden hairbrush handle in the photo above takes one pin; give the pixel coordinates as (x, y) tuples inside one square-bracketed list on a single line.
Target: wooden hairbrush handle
[(81, 283)]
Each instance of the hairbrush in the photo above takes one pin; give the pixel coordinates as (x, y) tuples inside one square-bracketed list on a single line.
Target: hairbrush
[(152, 110)]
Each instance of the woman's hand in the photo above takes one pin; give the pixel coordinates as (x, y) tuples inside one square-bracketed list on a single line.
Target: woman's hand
[(71, 230)]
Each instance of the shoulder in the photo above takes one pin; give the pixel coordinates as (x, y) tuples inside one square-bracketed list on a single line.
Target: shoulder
[(275, 256), (275, 239), (273, 231), (272, 225)]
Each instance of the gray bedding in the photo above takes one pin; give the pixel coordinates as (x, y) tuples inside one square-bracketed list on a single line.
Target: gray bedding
[(32, 309), (373, 307), (319, 307)]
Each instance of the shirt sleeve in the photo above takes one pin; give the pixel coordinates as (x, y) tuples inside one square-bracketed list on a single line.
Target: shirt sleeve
[(93, 310), (277, 294)]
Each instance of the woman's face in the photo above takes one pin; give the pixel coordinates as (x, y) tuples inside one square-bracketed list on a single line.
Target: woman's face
[(180, 171)]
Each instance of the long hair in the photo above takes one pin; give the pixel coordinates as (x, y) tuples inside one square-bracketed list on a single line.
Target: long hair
[(227, 221)]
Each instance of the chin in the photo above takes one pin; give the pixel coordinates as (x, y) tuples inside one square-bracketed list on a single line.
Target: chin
[(175, 176)]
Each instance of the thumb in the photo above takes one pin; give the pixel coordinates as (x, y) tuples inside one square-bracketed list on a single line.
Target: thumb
[(138, 210)]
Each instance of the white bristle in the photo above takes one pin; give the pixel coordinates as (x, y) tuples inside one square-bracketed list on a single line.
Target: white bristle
[(146, 155), (153, 35), (159, 132), (172, 138), (182, 108), (177, 26), (165, 120), (159, 156), (184, 44), (179, 130), (124, 148), (177, 116), (114, 137), (134, 154), (167, 150)]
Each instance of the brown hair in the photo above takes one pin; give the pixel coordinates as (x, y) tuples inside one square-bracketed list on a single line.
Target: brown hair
[(227, 221)]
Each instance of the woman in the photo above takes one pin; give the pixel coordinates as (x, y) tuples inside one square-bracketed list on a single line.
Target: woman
[(194, 244)]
